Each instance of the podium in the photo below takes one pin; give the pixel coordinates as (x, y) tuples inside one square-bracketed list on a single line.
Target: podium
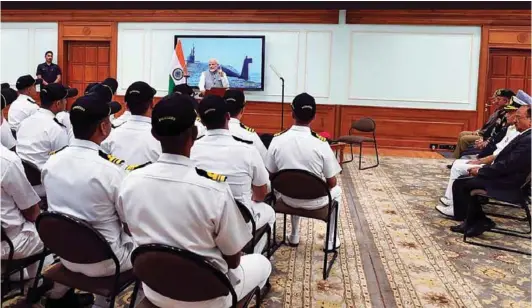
[(220, 91)]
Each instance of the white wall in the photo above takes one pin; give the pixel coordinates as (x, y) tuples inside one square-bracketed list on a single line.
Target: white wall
[(23, 48), (433, 67)]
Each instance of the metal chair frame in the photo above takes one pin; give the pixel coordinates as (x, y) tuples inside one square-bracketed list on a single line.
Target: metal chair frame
[(248, 217), (360, 145)]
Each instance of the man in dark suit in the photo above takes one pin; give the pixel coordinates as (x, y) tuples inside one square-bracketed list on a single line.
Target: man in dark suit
[(502, 179)]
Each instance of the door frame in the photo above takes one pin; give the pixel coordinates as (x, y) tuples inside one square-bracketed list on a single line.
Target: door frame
[(86, 32), (496, 37)]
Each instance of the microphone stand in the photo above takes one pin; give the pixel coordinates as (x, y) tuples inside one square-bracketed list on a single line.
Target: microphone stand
[(282, 103)]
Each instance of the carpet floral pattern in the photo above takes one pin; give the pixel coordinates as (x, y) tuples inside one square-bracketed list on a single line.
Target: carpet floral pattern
[(390, 229)]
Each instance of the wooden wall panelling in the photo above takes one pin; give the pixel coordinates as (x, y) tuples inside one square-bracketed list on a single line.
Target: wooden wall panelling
[(413, 129), (482, 95), (208, 16), (440, 17), (509, 37)]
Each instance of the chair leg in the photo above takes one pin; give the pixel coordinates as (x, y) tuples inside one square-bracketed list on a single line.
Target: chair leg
[(112, 301), (376, 155), (327, 266), (134, 294), (284, 230), (360, 157), (352, 155)]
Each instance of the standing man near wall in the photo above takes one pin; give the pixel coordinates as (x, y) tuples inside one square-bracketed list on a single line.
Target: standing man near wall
[(48, 71)]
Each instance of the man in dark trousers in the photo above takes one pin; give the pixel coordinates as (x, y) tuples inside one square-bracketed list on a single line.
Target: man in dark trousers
[(502, 180)]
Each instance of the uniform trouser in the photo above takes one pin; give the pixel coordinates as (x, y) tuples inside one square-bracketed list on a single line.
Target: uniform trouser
[(254, 270), (336, 194), (262, 214), (465, 139), (460, 168)]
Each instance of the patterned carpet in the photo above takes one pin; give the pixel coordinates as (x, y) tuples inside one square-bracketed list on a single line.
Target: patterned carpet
[(397, 251)]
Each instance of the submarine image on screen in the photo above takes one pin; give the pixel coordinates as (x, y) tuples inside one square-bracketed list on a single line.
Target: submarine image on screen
[(239, 58)]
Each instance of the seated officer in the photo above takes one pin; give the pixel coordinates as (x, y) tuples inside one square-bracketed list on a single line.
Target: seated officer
[(502, 179), (237, 159), (301, 148), (133, 141), (41, 133), (195, 209), (24, 105), (82, 181), (185, 89), (6, 135), (236, 102), (461, 167)]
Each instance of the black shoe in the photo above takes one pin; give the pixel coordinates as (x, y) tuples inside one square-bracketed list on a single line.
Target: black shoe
[(449, 166), (480, 227), (71, 300), (458, 228)]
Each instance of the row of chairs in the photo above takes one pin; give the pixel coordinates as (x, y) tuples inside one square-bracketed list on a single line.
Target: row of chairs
[(171, 271)]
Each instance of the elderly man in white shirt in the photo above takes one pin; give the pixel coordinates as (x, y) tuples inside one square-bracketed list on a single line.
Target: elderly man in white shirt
[(236, 101), (6, 134), (24, 105), (221, 152), (133, 141), (82, 181), (461, 167), (189, 208), (214, 77), (301, 148)]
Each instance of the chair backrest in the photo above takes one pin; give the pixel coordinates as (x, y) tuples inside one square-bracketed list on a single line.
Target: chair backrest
[(73, 239), (179, 274), (366, 125), (300, 184), (33, 173)]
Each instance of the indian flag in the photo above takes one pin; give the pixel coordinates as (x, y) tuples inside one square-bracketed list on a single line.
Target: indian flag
[(178, 67)]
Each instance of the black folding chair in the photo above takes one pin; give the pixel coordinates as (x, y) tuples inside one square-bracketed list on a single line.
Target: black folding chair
[(365, 125), (257, 234), (11, 266), (77, 241), (483, 198), (183, 276), (33, 174), (301, 184)]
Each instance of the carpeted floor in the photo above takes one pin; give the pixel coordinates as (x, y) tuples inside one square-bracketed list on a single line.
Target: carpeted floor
[(397, 251)]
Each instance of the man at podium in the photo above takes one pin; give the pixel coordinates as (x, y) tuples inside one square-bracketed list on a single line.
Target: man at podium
[(213, 78)]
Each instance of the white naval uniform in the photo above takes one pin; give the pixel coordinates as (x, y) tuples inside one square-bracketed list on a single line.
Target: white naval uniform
[(241, 131), (21, 108), (38, 135), (64, 118), (300, 148), (18, 195), (121, 119), (461, 167), (133, 141), (219, 152), (194, 213), (81, 183), (6, 135), (201, 128)]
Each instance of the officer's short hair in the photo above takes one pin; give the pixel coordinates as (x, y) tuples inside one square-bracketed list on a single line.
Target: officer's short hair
[(49, 51)]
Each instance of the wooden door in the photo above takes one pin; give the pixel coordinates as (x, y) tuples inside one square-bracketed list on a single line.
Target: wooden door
[(87, 62), (508, 69)]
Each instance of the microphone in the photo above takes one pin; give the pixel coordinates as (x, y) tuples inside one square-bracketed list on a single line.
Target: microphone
[(276, 72)]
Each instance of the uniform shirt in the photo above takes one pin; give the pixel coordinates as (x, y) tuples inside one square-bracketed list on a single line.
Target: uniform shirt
[(201, 128), (48, 72), (133, 141), (64, 118), (184, 208), (218, 151), (38, 135), (17, 193), (80, 182), (511, 133), (301, 148), (121, 119), (240, 130), (6, 135), (20, 109)]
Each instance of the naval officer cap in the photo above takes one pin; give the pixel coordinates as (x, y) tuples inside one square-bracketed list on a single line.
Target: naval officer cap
[(235, 98), (91, 109), (173, 115), (55, 91), (304, 107), (26, 81), (212, 109), (8, 96), (504, 93)]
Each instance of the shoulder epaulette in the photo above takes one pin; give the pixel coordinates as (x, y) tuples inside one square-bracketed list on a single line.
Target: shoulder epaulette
[(59, 123), (242, 140), (31, 101), (249, 129), (280, 133), (211, 175), (55, 152), (135, 167), (111, 158), (318, 136), (198, 119)]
